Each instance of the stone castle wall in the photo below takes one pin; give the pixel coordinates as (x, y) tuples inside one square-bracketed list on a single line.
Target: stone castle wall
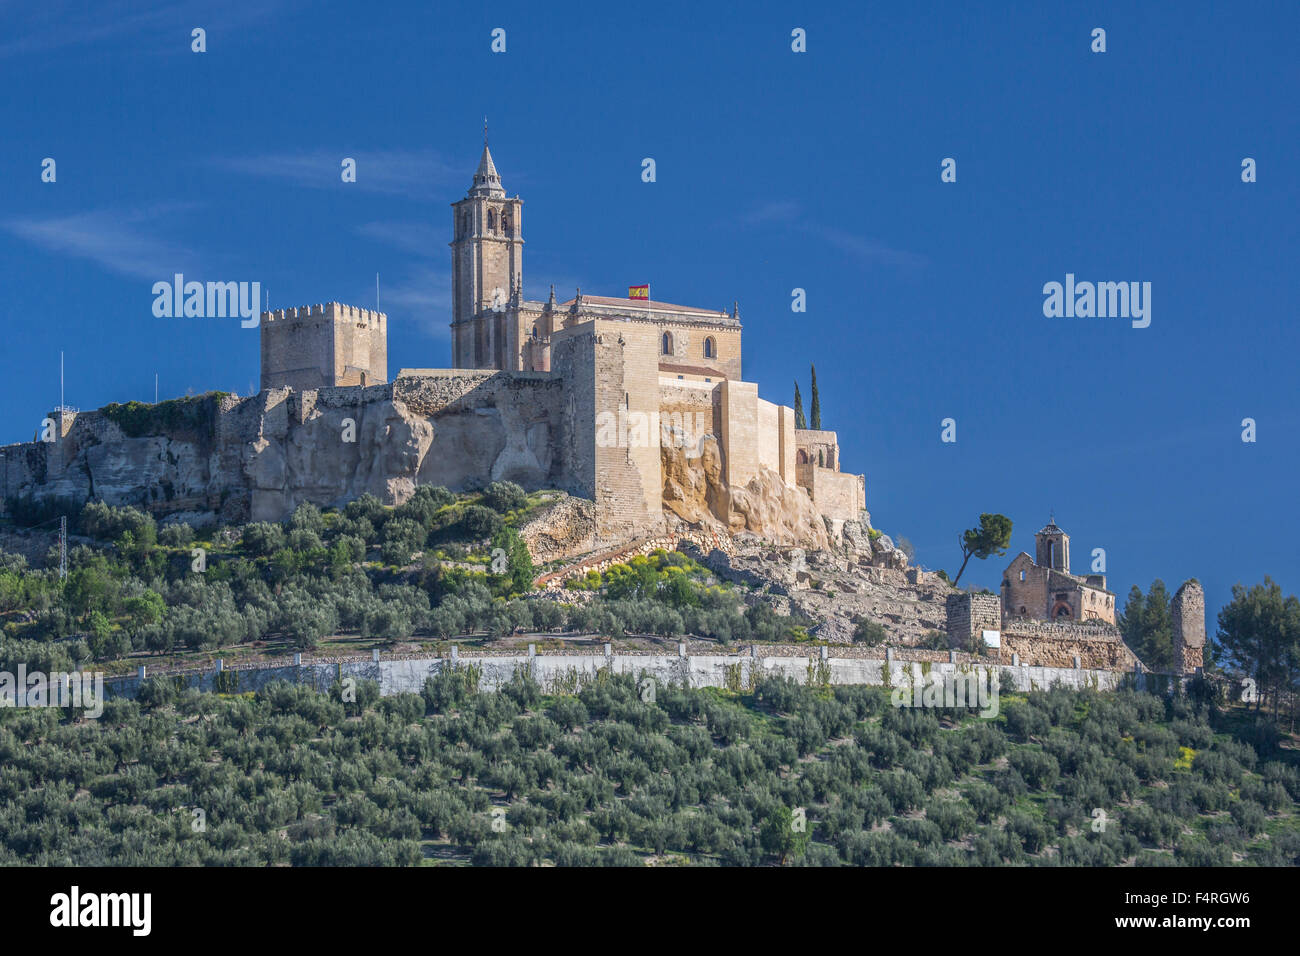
[(819, 447), (688, 347), (629, 482), (837, 494)]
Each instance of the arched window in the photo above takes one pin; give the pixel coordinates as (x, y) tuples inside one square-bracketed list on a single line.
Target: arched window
[(668, 343), (492, 221), (708, 348), (801, 457), (507, 225), (464, 225)]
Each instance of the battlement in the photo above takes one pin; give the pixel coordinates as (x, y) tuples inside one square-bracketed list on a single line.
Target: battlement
[(329, 311)]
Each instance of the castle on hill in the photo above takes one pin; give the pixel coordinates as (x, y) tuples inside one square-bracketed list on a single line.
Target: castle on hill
[(672, 370), (636, 407)]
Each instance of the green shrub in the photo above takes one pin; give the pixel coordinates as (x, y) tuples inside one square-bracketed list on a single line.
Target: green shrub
[(480, 522), (504, 496), (870, 633)]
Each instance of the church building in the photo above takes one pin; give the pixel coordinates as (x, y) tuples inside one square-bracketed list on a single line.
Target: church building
[(1042, 587), (494, 327)]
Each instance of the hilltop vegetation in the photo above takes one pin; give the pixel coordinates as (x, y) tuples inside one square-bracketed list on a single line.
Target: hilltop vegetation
[(438, 566), (603, 776)]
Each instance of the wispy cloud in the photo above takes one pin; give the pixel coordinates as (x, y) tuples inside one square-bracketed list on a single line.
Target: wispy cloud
[(864, 248), (33, 28), (867, 249), (420, 291), (127, 242), (417, 174), (781, 211), (422, 295), (418, 238)]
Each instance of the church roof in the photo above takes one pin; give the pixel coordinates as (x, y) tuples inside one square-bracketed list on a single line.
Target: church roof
[(487, 182), (602, 303), (1051, 528)]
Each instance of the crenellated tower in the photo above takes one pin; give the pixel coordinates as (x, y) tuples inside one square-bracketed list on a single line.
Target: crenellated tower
[(324, 346)]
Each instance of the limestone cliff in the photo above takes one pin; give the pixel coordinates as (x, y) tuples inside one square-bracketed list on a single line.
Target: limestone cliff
[(222, 458), (696, 493)]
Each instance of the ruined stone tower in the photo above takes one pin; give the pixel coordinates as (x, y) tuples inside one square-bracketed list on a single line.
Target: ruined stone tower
[(1188, 612), (487, 262)]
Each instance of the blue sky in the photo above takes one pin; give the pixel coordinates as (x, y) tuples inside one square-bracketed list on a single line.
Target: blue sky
[(775, 170)]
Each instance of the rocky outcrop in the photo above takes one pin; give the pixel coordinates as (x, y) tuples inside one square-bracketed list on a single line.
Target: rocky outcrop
[(562, 530), (857, 535), (838, 589), (332, 455), (219, 457), (696, 492)]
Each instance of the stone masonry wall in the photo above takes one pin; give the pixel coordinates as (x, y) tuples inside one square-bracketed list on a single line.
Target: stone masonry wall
[(629, 478), (969, 615), (838, 494), (1057, 644), (1188, 612)]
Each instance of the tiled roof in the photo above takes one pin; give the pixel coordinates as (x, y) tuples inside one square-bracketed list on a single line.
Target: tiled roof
[(690, 370)]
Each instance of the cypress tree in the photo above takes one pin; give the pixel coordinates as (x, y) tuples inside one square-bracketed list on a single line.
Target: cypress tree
[(816, 401), (799, 421)]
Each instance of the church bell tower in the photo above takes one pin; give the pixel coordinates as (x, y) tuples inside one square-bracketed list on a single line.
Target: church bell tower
[(1053, 548), (487, 254)]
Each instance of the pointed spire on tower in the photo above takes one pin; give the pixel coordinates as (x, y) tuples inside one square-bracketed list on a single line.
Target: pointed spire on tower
[(487, 182)]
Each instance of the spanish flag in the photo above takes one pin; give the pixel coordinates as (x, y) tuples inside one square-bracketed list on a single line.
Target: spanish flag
[(638, 292)]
